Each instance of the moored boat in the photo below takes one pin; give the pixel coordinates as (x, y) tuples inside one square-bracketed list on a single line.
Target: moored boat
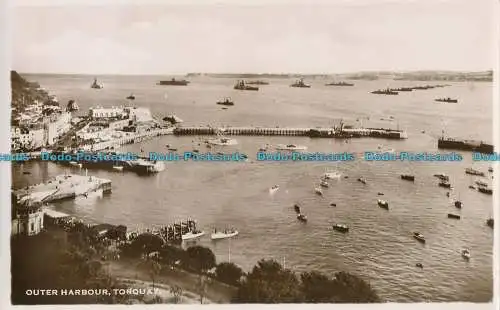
[(118, 168), (444, 184), (408, 177), (96, 85), (481, 183), (194, 234), (383, 204), (474, 172), (329, 175), (446, 100), (300, 84), (453, 216), (466, 254), (458, 204), (130, 97), (362, 180), (385, 92), (302, 217), (274, 189), (485, 190), (318, 191), (226, 101), (324, 184), (216, 235), (341, 228), (222, 141), (173, 82), (442, 177), (241, 85), (342, 83), (419, 237), (296, 207), (290, 147)]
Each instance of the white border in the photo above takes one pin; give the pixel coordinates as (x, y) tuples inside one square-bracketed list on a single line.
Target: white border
[(5, 178)]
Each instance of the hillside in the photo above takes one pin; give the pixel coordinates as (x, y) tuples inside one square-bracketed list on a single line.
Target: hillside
[(482, 76), (25, 92)]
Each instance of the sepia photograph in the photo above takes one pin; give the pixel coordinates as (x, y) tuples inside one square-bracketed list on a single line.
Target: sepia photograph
[(337, 152)]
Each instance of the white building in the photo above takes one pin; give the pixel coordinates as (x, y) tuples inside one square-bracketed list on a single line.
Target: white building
[(140, 115), (113, 112), (26, 138), (28, 219), (56, 125)]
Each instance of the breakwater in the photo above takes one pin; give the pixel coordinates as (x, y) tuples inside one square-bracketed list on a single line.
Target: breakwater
[(308, 132)]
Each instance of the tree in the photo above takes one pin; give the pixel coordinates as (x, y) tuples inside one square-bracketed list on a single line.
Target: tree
[(146, 244), (152, 267), (199, 259), (317, 288), (350, 288), (269, 283), (177, 292), (228, 273), (169, 255)]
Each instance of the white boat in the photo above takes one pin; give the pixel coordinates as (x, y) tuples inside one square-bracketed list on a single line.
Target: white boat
[(73, 163), (324, 184), (224, 234), (318, 191), (466, 253), (481, 183), (222, 141), (383, 204), (118, 168), (329, 175), (193, 235), (264, 148), (291, 147), (274, 189)]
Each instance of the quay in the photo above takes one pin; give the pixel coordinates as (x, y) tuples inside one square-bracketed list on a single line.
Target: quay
[(136, 138), (61, 187), (334, 132), (111, 144)]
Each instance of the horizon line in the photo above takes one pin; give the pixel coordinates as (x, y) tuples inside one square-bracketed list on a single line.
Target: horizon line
[(262, 73)]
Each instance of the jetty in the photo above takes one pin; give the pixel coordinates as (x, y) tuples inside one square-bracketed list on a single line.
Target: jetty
[(333, 132), (62, 187)]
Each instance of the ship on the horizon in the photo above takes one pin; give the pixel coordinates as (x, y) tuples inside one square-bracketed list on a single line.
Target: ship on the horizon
[(402, 89), (257, 82), (226, 101), (96, 85), (241, 85), (446, 100), (465, 145), (387, 91), (342, 83), (173, 82), (300, 83)]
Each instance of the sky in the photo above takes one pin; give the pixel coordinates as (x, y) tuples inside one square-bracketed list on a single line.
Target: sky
[(307, 37)]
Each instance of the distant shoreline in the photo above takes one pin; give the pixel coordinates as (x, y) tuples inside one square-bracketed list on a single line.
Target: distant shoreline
[(424, 75)]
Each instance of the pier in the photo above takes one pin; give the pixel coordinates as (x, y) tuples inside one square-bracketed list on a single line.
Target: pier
[(62, 187), (332, 132)]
